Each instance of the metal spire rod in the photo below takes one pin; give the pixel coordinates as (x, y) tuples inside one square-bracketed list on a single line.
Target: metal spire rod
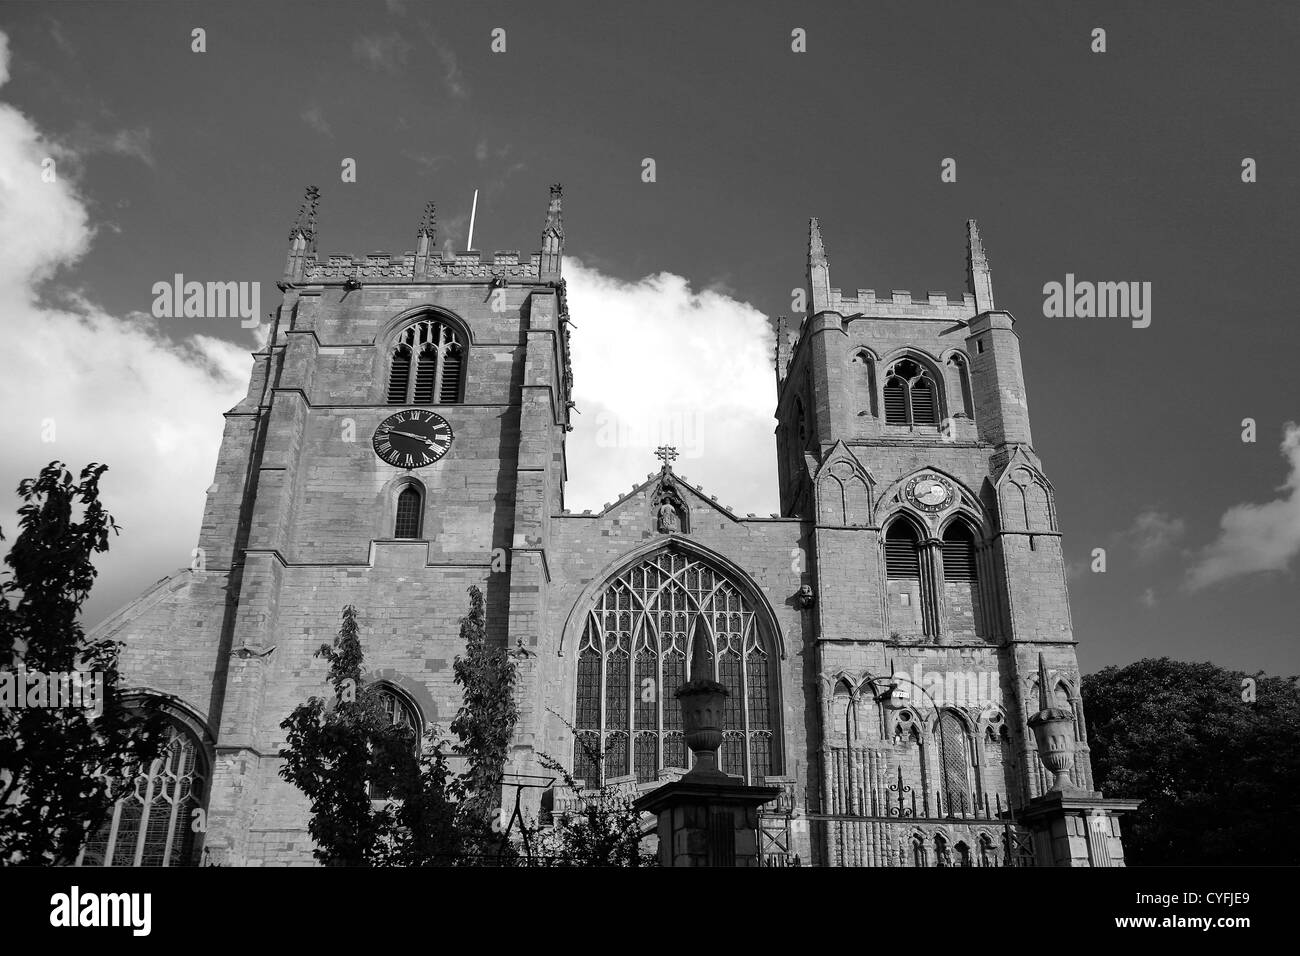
[(469, 247)]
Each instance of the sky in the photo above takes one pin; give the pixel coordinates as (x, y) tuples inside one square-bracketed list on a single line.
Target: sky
[(1122, 165)]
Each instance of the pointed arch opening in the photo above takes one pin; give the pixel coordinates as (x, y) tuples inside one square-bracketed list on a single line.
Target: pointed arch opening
[(959, 364), (399, 710), (427, 363), (634, 654), (963, 603), (151, 823), (909, 600), (864, 383), (912, 394), (955, 766)]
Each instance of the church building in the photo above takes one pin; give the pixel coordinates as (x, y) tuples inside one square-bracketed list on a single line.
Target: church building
[(403, 438)]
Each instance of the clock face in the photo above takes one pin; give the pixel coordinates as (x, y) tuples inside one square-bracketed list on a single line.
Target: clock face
[(929, 492), (413, 438)]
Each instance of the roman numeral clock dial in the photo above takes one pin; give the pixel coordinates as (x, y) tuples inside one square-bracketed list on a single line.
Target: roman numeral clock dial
[(413, 438)]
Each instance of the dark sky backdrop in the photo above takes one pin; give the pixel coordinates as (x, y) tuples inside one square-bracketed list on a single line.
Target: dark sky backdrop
[(1116, 166)]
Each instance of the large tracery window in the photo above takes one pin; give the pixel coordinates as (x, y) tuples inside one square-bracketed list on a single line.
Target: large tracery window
[(911, 395), (151, 824), (426, 365), (634, 655)]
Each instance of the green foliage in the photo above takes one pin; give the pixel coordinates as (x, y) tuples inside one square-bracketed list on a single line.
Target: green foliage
[(605, 831), (1220, 776), (486, 720), (426, 826), (334, 751), (59, 767)]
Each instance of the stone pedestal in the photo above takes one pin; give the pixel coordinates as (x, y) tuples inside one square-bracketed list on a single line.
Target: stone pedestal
[(708, 821), (1076, 828)]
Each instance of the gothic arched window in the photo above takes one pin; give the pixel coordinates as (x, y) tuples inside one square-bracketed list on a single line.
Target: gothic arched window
[(958, 362), (864, 382), (634, 654), (954, 764), (907, 597), (399, 712), (961, 581), (151, 824), (408, 513), (911, 394), (426, 364)]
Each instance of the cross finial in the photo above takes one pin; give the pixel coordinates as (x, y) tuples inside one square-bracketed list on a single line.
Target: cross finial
[(667, 454)]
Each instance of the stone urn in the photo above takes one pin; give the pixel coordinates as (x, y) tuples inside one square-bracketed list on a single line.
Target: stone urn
[(702, 702), (1054, 730)]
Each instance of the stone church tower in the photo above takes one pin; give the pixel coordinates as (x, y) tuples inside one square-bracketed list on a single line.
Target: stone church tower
[(403, 438)]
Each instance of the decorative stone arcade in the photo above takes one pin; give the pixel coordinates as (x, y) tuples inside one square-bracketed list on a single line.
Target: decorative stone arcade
[(707, 818), (1071, 827)]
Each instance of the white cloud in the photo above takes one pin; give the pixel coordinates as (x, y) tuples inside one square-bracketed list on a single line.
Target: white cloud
[(657, 363), (452, 78), (1154, 532), (1148, 598), (116, 390), (385, 52), (83, 140), (1253, 537), (314, 117)]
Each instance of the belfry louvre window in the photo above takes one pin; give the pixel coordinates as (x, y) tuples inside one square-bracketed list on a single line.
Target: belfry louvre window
[(634, 654), (902, 560), (911, 395), (958, 553), (426, 365), (407, 524), (151, 824)]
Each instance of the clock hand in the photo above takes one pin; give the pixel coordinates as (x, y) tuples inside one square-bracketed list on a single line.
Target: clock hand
[(410, 435)]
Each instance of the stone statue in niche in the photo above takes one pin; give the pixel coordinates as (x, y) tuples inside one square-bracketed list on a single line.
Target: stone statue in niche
[(669, 520)]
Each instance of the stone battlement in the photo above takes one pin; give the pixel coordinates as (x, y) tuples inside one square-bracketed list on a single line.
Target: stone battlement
[(410, 267), (903, 305)]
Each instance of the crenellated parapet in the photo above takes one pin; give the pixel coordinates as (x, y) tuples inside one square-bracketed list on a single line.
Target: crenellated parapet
[(424, 265), (462, 267)]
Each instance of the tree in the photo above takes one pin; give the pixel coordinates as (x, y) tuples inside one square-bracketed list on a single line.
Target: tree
[(1215, 755), (61, 767), (605, 831), (486, 720), (428, 822), (336, 751)]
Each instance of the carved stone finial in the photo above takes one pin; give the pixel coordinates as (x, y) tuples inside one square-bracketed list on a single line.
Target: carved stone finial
[(305, 224), (816, 247), (979, 278), (429, 221), (555, 213), (701, 660), (819, 271), (976, 244)]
